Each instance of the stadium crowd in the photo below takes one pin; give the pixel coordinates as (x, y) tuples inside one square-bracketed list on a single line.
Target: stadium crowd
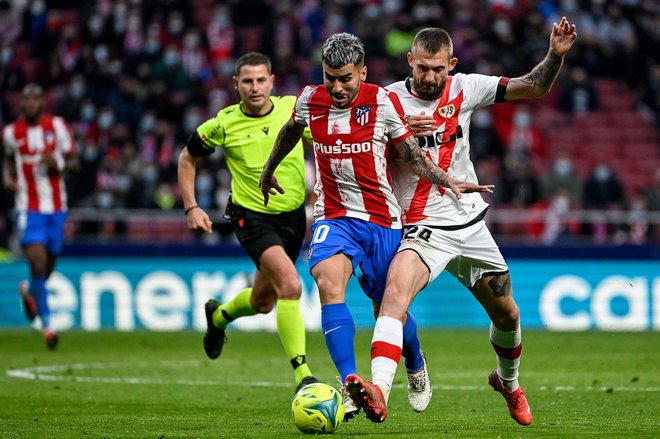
[(135, 77)]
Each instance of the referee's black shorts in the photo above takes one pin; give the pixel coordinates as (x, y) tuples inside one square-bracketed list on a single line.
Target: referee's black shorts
[(258, 231)]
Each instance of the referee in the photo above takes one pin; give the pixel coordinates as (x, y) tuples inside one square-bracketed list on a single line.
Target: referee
[(271, 235)]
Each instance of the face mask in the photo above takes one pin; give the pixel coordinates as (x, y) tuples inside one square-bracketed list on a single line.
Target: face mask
[(5, 55), (105, 200), (204, 183), (151, 47), (90, 153), (170, 58), (87, 112), (175, 26), (481, 119), (150, 174), (106, 120), (522, 119), (602, 173), (191, 122), (147, 123), (77, 90), (563, 167)]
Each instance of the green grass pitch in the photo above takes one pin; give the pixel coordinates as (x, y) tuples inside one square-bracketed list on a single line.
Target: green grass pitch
[(161, 385)]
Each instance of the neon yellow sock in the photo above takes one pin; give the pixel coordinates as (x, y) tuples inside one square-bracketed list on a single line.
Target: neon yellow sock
[(291, 328), (239, 306)]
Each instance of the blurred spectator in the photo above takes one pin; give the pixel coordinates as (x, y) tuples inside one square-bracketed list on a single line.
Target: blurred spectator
[(603, 190), (520, 187), (10, 19), (653, 193), (524, 140), (578, 93), (562, 178), (11, 72), (484, 141), (154, 66)]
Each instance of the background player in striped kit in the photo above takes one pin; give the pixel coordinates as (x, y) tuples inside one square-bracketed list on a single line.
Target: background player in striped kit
[(39, 148), (272, 236), (442, 232), (357, 219)]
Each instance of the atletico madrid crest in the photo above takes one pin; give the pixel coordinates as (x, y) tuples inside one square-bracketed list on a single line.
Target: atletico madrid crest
[(362, 114)]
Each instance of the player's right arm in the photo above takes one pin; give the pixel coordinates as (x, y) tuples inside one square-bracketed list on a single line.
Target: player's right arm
[(410, 152), (9, 178), (197, 218), (287, 139)]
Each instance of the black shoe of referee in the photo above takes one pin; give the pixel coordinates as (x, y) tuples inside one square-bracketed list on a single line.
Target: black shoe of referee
[(214, 338)]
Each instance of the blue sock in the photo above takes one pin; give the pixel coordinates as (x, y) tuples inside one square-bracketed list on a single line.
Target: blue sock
[(38, 291), (339, 330), (411, 349)]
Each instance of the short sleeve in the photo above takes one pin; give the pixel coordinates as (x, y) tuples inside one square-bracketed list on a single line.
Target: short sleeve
[(212, 133), (395, 117), (301, 110), (479, 90)]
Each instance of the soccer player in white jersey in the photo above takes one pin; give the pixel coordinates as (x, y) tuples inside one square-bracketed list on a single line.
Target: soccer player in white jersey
[(39, 149), (357, 224), (443, 232)]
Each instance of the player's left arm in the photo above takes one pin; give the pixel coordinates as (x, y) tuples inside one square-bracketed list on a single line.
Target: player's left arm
[(410, 152), (538, 82), (65, 159), (287, 139)]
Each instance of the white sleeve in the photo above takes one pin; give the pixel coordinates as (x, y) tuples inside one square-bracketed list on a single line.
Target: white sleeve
[(394, 116), (8, 140), (478, 90), (301, 109), (63, 135)]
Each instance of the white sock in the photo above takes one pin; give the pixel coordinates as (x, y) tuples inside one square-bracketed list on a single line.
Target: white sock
[(508, 347), (385, 352)]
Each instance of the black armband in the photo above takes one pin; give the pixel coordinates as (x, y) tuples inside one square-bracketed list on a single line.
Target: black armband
[(501, 90), (196, 147)]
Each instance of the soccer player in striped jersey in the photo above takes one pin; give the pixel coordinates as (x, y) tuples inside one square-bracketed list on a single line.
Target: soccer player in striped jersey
[(444, 232), (39, 148), (271, 236), (354, 126)]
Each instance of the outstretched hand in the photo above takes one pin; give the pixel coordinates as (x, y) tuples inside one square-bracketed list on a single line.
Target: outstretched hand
[(269, 186), (563, 36), (465, 187)]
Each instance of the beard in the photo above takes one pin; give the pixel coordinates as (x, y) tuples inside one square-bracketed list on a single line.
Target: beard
[(428, 91)]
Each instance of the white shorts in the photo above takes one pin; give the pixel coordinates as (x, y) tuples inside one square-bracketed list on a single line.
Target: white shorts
[(468, 254)]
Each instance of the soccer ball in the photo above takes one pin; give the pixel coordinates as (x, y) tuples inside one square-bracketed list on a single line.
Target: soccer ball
[(317, 408)]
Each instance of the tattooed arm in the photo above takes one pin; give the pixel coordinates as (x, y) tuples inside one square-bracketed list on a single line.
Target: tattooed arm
[(410, 152), (287, 139), (538, 82)]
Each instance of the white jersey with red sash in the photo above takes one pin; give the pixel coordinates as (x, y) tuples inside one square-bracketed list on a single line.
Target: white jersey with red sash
[(351, 150), (449, 147), (38, 190)]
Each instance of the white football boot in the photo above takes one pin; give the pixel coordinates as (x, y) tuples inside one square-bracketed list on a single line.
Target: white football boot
[(419, 388)]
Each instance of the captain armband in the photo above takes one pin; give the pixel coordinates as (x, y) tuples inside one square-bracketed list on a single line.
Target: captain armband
[(501, 90), (196, 147)]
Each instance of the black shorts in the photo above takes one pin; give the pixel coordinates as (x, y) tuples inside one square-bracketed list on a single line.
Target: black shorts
[(258, 231)]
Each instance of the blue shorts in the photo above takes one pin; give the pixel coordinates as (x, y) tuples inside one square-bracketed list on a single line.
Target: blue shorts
[(369, 246), (41, 228)]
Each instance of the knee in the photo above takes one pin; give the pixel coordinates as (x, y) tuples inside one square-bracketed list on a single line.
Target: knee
[(290, 288), (507, 318), (263, 305)]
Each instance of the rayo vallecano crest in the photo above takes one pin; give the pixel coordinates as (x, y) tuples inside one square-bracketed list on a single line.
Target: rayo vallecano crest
[(447, 111), (362, 114)]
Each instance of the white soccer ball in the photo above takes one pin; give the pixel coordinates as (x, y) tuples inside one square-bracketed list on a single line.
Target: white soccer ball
[(317, 408)]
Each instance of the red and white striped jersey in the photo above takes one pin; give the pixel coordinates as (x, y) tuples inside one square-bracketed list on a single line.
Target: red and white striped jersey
[(449, 147), (351, 150), (38, 190)]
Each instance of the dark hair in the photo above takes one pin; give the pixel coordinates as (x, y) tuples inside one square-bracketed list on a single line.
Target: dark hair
[(252, 59), (342, 49), (432, 40)]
